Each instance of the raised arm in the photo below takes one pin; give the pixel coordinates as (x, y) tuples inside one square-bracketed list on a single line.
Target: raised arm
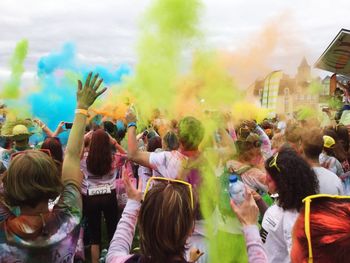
[(44, 127), (134, 153), (86, 95), (59, 129), (120, 245)]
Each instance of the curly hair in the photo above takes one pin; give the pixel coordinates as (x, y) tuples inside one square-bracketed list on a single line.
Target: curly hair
[(293, 176)]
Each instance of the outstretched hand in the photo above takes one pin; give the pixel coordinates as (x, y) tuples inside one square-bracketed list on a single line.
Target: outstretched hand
[(130, 115), (248, 211), (59, 128), (39, 122), (87, 93)]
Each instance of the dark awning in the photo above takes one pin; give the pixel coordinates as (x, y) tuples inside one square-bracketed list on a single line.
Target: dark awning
[(336, 58)]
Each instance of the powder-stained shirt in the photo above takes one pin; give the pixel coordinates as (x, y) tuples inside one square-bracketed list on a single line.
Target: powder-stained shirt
[(331, 163), (49, 237), (168, 164), (91, 180), (5, 155)]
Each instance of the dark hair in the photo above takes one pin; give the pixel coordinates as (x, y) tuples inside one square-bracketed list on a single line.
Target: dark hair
[(54, 145), (312, 143), (171, 141), (109, 127), (99, 159), (343, 136), (294, 180), (329, 229), (191, 133), (31, 178), (154, 143), (337, 149), (266, 125), (165, 222)]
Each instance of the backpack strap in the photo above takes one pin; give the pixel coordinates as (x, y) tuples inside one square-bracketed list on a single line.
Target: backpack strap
[(243, 169)]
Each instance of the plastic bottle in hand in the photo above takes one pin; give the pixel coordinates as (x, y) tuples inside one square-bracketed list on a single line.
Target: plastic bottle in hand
[(236, 189)]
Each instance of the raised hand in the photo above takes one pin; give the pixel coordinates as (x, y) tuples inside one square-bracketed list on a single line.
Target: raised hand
[(87, 93), (39, 122), (130, 115), (59, 129)]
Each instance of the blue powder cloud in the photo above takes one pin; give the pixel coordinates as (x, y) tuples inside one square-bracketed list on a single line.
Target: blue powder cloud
[(58, 73)]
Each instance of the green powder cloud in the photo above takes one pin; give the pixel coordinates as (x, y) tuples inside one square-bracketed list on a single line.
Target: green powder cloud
[(11, 89)]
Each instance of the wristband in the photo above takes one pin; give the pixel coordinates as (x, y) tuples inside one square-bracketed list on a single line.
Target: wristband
[(132, 124), (81, 111), (43, 126)]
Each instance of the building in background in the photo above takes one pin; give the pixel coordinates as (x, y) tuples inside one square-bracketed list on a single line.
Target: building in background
[(301, 90)]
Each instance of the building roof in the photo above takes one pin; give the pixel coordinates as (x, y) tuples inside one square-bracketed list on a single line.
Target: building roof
[(304, 63)]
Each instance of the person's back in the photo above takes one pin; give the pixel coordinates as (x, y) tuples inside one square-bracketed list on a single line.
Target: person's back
[(29, 232), (32, 233), (180, 164), (165, 220), (313, 142), (329, 182)]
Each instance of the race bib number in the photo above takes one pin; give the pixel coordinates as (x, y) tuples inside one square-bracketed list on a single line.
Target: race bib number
[(99, 190)]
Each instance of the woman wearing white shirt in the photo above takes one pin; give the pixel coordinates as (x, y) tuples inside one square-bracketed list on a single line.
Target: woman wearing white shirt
[(292, 178)]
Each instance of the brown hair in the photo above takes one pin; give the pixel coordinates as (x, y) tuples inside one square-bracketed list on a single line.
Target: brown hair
[(99, 160), (171, 142), (165, 221), (54, 145), (312, 143), (31, 178)]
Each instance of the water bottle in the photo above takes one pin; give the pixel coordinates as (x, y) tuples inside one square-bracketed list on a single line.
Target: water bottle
[(236, 189)]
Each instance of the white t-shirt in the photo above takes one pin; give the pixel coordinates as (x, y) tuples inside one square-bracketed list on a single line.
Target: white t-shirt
[(90, 180), (329, 182), (278, 224), (281, 125), (168, 164)]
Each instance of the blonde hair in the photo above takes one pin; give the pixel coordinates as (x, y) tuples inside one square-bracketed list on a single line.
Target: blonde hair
[(31, 178)]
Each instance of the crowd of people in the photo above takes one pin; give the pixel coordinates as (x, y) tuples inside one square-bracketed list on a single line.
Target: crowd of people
[(144, 183)]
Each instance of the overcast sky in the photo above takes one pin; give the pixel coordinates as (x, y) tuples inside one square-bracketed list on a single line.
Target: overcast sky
[(106, 31)]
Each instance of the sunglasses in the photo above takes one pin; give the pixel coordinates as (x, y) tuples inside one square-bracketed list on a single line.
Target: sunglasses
[(153, 180), (46, 151), (307, 201), (273, 163)]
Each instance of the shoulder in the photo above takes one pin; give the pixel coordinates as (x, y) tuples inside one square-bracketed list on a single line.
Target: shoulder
[(272, 218), (165, 155), (275, 215)]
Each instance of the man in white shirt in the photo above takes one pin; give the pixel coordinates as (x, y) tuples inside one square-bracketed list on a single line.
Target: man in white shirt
[(329, 182)]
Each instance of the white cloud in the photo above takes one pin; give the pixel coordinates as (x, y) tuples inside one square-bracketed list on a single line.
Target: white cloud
[(106, 31)]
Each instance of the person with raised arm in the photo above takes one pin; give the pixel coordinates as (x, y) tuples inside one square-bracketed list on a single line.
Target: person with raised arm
[(32, 233)]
